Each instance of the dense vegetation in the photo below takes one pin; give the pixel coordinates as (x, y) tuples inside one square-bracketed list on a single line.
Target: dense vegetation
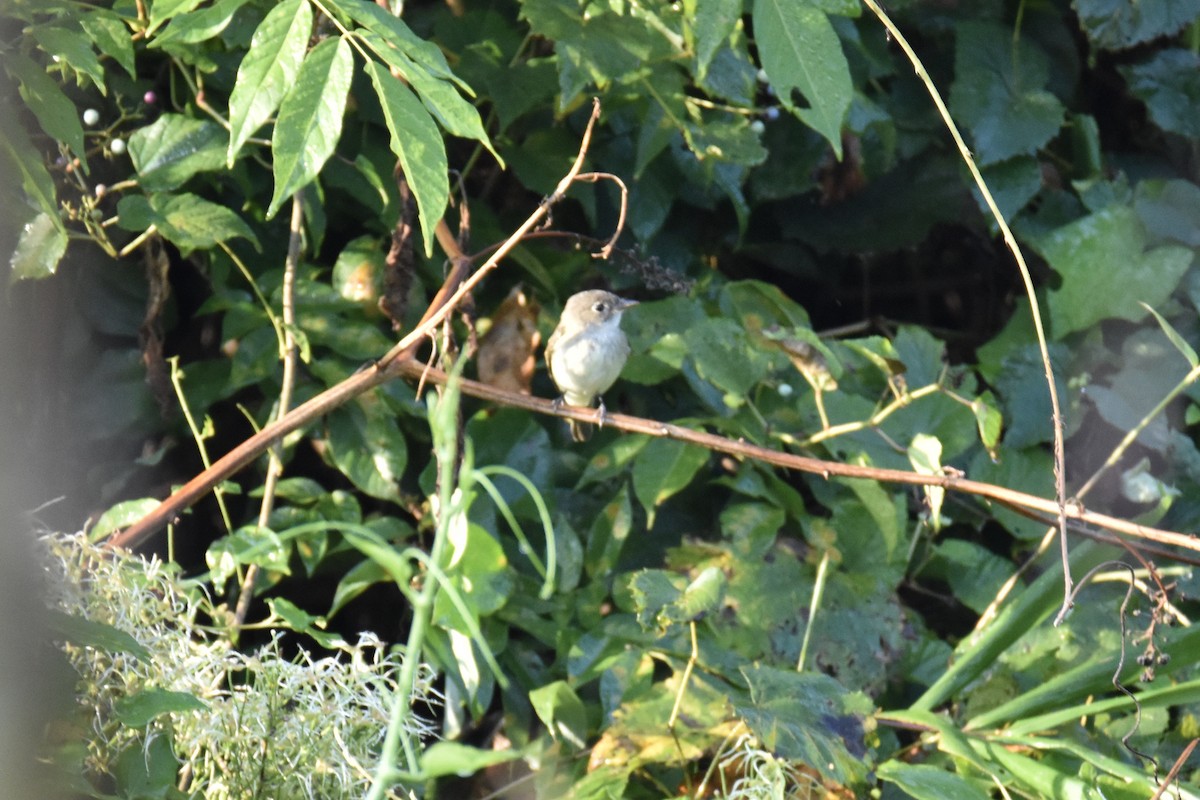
[(220, 211)]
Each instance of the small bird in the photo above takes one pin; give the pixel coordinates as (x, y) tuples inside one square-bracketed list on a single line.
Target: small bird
[(587, 350)]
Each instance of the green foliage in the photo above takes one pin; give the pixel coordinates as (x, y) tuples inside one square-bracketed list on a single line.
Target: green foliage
[(638, 599)]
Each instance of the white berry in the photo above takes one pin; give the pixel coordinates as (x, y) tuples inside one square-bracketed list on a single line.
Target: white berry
[(91, 116), (117, 146)]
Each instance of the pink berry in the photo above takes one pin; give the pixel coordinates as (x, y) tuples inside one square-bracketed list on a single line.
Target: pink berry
[(150, 98)]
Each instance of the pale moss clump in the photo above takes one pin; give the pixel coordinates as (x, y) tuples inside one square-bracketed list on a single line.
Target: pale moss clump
[(240, 725)]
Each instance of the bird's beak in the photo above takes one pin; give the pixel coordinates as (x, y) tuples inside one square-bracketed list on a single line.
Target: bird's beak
[(627, 303)]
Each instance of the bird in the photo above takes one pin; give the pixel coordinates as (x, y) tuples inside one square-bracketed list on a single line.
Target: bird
[(587, 351)]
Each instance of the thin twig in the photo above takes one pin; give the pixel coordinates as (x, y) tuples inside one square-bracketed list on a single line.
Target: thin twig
[(1011, 241)]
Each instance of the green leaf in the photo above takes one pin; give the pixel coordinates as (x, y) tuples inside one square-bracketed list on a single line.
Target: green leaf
[(925, 454), (173, 149), (1118, 24), (356, 581), (724, 357), (139, 710), (72, 48), (1169, 85), (368, 447), (57, 115), (188, 221), (999, 93), (268, 70), (310, 118), (90, 633), (39, 249), (662, 469), (122, 515), (416, 142), (707, 25), (199, 26), (146, 769), (808, 717), (163, 10), (1185, 349), (479, 570), (441, 98), (924, 782), (397, 34), (799, 50), (452, 758), (301, 621), (112, 36), (1170, 210), (1105, 272), (562, 712), (19, 157)]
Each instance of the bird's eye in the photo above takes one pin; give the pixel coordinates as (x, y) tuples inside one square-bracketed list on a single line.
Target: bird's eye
[(600, 307)]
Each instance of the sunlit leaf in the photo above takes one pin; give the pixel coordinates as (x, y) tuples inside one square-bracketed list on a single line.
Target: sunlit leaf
[(39, 249), (173, 148), (310, 118), (57, 115), (268, 70)]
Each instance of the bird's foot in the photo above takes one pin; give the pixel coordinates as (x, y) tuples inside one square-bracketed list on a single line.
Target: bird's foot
[(603, 413)]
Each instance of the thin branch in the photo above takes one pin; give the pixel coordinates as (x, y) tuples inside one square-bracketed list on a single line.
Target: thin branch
[(452, 292), (1011, 241), (739, 447)]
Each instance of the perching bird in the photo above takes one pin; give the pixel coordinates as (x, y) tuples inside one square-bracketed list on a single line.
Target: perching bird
[(587, 350)]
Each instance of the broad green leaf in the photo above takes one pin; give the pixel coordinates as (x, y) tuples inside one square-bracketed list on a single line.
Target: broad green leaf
[(988, 420), (199, 26), (146, 769), (724, 357), (662, 469), (707, 25), (608, 534), (268, 70), (112, 36), (1118, 24), (1012, 183), (57, 115), (924, 782), (999, 92), (173, 149), (90, 633), (397, 34), (440, 97), (810, 718), (72, 48), (453, 758), (416, 142), (562, 712), (188, 221), (368, 447), (301, 621), (925, 455), (122, 515), (356, 581), (139, 710), (39, 249), (310, 118), (974, 573), (19, 157), (1105, 271), (799, 50), (479, 570), (163, 10), (1169, 85), (1170, 210)]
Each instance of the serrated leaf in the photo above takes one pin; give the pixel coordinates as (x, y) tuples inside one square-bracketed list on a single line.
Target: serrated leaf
[(999, 93), (139, 710), (112, 36), (188, 221), (57, 115), (19, 155), (1117, 24), (72, 48), (800, 50), (440, 97), (310, 118), (40, 247), (199, 26), (662, 469), (268, 70), (163, 10), (416, 142), (1105, 271), (173, 149), (810, 718), (1169, 85)]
